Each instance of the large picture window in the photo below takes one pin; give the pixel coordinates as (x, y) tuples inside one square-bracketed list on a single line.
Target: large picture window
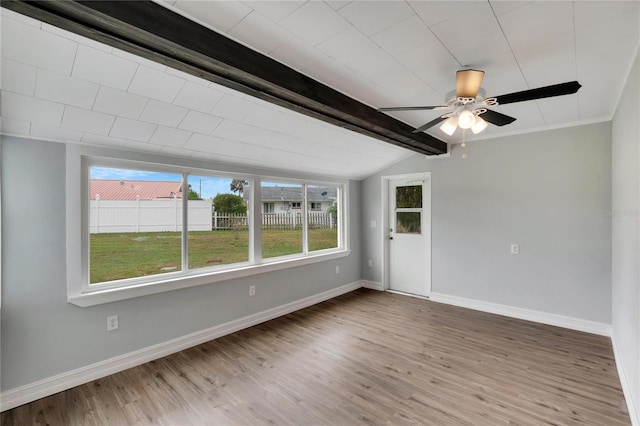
[(146, 224)]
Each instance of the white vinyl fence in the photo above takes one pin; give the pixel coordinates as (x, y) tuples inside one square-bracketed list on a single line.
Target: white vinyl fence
[(147, 215), (274, 221)]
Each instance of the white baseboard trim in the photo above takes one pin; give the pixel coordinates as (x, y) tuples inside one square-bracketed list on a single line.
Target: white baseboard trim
[(373, 285), (33, 391), (634, 412), (578, 324)]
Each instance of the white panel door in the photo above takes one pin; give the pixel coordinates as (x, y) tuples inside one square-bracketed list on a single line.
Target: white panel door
[(410, 235)]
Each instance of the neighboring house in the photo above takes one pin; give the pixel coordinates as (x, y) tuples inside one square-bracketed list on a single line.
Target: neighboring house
[(110, 189), (287, 199)]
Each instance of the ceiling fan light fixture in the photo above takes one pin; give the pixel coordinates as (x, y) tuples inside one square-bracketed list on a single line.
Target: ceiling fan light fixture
[(468, 83), (480, 125), (450, 125), (466, 119)]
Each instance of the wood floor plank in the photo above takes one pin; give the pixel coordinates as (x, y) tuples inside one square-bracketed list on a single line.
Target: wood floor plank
[(366, 358)]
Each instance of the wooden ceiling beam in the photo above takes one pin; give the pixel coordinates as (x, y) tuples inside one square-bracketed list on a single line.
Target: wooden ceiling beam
[(147, 29)]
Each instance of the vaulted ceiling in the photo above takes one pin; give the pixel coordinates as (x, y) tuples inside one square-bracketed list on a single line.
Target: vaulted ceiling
[(60, 86)]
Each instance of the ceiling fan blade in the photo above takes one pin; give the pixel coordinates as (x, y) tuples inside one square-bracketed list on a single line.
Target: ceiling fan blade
[(540, 93), (429, 124), (468, 83), (411, 108), (497, 118)]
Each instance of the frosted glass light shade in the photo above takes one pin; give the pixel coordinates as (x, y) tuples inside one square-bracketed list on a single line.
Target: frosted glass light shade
[(480, 125), (466, 119), (450, 125)]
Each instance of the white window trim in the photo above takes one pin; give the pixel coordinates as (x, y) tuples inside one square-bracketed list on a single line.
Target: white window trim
[(77, 220)]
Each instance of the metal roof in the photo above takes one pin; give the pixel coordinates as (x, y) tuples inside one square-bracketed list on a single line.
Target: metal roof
[(130, 189)]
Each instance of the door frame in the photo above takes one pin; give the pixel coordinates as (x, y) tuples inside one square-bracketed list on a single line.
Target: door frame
[(386, 267)]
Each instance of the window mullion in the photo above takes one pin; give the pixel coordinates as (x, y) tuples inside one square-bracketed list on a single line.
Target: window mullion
[(255, 226), (185, 222), (305, 220)]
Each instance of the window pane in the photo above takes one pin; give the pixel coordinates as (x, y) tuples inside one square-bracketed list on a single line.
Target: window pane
[(409, 197), (408, 223), (281, 226), (135, 220), (322, 217), (218, 223)]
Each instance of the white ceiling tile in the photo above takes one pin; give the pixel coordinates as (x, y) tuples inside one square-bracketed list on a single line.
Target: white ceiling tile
[(260, 33), (327, 70), (202, 143), (139, 60), (274, 10), (30, 109), (11, 126), (477, 21), (563, 109), (196, 97), (75, 37), (500, 7), (592, 13), (103, 68), (435, 12), (348, 46), (66, 90), (163, 113), (142, 146), (263, 117), (232, 108), (404, 36), (155, 84), (175, 152), (432, 63), (17, 77), (10, 14), (168, 136), (538, 17), (29, 45), (87, 121), (314, 22), (200, 123), (116, 102), (102, 140), (371, 17), (552, 69), (337, 4), (484, 51), (54, 133), (596, 39), (376, 62), (298, 54), (125, 128), (219, 15)]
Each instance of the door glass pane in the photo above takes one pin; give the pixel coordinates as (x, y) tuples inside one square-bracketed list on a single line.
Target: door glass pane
[(408, 222), (409, 197)]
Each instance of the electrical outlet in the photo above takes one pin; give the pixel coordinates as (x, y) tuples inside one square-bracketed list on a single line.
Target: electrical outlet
[(338, 269), (112, 323), (370, 263), (515, 248), (252, 290)]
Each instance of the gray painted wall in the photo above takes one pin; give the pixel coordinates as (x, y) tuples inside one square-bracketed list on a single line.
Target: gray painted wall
[(626, 232), (547, 191), (43, 335)]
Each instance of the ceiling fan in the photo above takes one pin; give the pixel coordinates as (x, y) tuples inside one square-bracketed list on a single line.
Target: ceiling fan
[(469, 108)]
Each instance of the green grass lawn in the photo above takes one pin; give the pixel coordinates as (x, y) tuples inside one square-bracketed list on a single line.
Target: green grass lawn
[(127, 255)]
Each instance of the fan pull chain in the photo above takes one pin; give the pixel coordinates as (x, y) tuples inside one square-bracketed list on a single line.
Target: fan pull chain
[(464, 144)]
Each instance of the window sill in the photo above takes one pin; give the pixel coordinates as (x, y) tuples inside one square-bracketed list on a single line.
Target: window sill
[(101, 296)]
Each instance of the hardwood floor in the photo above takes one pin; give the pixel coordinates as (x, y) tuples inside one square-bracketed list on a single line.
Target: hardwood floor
[(366, 357)]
